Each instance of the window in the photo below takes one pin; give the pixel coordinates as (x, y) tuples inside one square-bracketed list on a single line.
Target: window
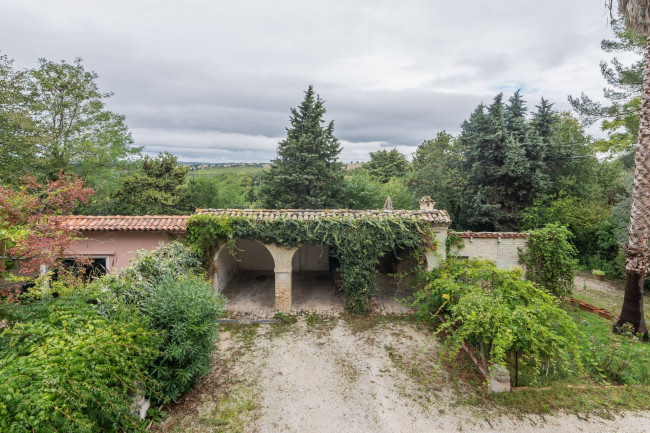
[(97, 267)]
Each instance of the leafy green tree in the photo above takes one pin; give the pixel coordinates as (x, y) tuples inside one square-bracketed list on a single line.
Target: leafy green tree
[(363, 191), (385, 165), (306, 173), (218, 192), (78, 133), (53, 119), (620, 119), (64, 367), (158, 189), (18, 132), (550, 259), (438, 172)]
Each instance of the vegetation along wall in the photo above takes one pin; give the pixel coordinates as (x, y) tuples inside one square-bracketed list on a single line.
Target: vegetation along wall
[(500, 247)]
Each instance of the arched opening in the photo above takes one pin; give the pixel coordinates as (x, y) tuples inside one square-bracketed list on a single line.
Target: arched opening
[(395, 279), (247, 278), (313, 280)]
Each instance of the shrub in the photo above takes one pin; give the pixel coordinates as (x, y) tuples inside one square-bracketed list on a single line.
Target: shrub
[(167, 286), (65, 368), (550, 259), (184, 309), (500, 313), (173, 258)]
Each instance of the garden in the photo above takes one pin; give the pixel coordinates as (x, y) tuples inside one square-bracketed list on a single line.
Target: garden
[(113, 353), (529, 327), (105, 356)]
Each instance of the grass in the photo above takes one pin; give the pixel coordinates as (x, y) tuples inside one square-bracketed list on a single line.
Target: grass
[(223, 402), (619, 359), (360, 323), (245, 332), (610, 360), (603, 402), (609, 298), (232, 413)]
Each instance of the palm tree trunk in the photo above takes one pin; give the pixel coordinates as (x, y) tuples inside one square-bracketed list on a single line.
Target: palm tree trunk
[(636, 252)]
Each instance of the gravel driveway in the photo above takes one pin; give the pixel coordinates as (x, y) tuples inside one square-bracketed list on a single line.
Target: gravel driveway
[(334, 375)]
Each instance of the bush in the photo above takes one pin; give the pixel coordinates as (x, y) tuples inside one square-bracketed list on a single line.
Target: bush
[(65, 368), (500, 313), (550, 259), (148, 268), (184, 309), (167, 286)]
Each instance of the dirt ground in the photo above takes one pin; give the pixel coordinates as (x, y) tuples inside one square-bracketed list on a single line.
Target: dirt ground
[(331, 374), (252, 294)]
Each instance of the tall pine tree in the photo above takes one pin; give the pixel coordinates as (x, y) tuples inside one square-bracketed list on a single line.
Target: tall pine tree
[(504, 157), (306, 174)]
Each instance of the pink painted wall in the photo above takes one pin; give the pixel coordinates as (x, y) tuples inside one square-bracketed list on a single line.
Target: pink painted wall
[(120, 246)]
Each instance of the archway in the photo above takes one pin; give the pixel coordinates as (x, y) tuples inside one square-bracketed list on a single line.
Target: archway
[(313, 280), (395, 279), (247, 278)]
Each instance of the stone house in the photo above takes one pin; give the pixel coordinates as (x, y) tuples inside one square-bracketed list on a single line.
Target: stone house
[(113, 241)]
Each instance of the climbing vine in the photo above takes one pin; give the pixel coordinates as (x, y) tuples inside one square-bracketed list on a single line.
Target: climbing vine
[(357, 243)]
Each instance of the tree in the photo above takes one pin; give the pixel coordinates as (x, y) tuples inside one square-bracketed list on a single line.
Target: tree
[(78, 134), (636, 13), (53, 119), (494, 148), (306, 174), (158, 189), (620, 119), (438, 172), (385, 165), (17, 128), (219, 191), (32, 232)]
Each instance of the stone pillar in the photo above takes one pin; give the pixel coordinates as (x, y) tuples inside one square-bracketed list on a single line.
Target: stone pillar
[(282, 259), (435, 257), (499, 379)]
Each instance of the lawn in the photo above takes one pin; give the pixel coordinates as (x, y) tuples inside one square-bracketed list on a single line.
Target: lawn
[(606, 294), (620, 359)]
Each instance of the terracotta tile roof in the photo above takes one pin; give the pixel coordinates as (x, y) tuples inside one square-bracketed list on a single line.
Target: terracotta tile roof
[(491, 235), (177, 223), (166, 223), (435, 216)]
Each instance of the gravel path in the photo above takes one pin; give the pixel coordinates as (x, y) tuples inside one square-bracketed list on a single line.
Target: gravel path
[(327, 377)]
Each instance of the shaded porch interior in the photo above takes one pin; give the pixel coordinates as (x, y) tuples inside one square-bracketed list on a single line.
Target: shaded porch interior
[(247, 280)]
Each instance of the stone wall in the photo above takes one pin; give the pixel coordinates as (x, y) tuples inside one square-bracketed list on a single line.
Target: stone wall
[(502, 248), (311, 258), (253, 256), (225, 268)]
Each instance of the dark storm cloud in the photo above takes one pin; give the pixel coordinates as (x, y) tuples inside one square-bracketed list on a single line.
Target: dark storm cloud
[(214, 81)]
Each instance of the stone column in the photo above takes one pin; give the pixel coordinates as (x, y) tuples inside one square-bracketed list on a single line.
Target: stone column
[(435, 257), (282, 258), (499, 379)]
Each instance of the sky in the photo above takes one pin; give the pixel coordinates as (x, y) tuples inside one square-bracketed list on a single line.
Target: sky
[(214, 81)]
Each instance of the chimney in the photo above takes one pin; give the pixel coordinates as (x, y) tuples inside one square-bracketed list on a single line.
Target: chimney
[(426, 203)]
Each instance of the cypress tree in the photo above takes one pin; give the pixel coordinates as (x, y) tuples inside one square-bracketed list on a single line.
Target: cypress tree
[(306, 174), (501, 151)]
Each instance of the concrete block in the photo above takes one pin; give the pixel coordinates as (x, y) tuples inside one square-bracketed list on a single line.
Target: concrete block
[(499, 379)]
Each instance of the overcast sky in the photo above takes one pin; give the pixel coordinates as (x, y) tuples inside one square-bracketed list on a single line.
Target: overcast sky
[(214, 80)]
